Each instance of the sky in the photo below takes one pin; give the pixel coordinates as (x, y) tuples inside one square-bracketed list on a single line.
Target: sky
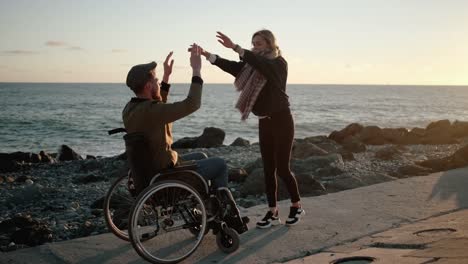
[(421, 42)]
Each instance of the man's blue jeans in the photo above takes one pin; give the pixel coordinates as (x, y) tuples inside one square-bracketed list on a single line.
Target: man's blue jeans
[(213, 169)]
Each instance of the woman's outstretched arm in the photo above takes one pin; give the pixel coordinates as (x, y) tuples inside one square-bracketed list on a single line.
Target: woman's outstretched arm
[(270, 68), (231, 67)]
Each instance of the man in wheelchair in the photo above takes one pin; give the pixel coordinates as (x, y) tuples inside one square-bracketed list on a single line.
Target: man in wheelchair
[(149, 115)]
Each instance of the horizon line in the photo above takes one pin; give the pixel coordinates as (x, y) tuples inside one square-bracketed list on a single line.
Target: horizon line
[(326, 84)]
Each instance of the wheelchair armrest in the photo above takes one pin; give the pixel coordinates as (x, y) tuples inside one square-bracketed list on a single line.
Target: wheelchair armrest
[(185, 172), (183, 165)]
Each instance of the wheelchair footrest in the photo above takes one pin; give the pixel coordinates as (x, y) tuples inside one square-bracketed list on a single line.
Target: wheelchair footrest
[(237, 223)]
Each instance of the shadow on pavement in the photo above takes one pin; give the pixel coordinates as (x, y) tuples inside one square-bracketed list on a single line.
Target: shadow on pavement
[(251, 242), (452, 184)]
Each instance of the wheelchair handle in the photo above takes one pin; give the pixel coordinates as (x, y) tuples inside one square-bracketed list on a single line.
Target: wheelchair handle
[(117, 130)]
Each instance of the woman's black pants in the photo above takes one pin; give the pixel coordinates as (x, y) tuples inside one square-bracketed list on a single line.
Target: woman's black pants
[(276, 135)]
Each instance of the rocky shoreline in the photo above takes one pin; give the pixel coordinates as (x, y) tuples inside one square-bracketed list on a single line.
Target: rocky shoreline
[(54, 197)]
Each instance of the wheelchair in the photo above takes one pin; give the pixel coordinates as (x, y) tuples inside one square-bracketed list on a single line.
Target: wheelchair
[(168, 219)]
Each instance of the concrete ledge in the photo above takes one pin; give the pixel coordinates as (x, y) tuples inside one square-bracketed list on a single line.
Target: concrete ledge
[(332, 219), (442, 239)]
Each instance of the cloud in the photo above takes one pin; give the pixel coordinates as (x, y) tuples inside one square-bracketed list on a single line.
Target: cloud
[(119, 50), (54, 43), (59, 44), (19, 52)]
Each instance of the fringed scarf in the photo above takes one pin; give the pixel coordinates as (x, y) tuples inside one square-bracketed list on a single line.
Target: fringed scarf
[(249, 82)]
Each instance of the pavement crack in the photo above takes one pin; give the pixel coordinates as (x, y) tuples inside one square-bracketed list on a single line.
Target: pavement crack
[(398, 246)]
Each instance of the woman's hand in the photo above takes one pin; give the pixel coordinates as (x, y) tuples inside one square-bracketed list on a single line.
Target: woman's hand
[(168, 67), (203, 52), (195, 60), (225, 40)]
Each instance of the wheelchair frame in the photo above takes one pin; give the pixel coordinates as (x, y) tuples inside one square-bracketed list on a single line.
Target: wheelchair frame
[(227, 237)]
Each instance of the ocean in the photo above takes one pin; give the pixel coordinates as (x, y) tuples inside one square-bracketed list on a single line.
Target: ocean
[(43, 116)]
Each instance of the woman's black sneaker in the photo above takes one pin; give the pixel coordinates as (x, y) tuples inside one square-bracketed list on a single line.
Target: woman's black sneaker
[(295, 214), (269, 220)]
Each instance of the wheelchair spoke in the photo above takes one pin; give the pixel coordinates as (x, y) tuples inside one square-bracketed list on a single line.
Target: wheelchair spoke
[(120, 214), (171, 231), (125, 197)]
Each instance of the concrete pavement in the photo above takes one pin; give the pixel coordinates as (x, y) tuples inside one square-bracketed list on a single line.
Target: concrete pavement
[(441, 239), (333, 219)]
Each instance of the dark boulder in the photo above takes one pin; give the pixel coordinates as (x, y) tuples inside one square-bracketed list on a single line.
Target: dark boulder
[(257, 164), (302, 149), (66, 153), (346, 155), (212, 137), (457, 160), (22, 229), (413, 170), (419, 131), (350, 130), (459, 129), (186, 142), (22, 178), (436, 164), (35, 158), (372, 135), (237, 175), (314, 163), (394, 135), (20, 156), (410, 138), (388, 153), (10, 162), (353, 145), (439, 125), (33, 235), (9, 166), (240, 142), (439, 132), (46, 158), (324, 143)]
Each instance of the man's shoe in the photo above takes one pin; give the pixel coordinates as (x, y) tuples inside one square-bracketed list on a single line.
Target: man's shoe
[(295, 214), (269, 220)]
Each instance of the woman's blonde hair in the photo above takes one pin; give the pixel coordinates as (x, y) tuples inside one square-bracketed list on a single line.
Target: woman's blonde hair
[(270, 39)]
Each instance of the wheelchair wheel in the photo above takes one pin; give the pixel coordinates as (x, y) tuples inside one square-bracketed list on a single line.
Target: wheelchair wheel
[(163, 226), (117, 206), (228, 240)]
